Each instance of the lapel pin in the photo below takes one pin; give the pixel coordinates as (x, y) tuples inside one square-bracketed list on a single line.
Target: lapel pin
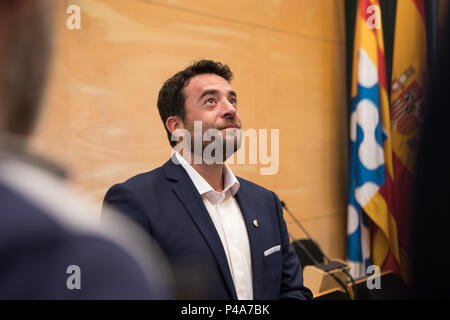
[(255, 223)]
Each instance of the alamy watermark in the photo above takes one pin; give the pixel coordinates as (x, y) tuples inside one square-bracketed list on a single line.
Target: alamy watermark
[(212, 146), (374, 18), (74, 20), (74, 280), (374, 281)]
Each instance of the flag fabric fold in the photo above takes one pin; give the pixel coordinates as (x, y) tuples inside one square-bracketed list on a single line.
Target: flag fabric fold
[(384, 137), (370, 145), (409, 77)]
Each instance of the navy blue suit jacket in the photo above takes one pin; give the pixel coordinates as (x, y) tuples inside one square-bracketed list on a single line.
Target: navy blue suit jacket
[(36, 249), (167, 204)]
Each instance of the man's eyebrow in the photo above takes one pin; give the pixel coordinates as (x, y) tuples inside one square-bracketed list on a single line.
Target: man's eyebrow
[(214, 91), (205, 93)]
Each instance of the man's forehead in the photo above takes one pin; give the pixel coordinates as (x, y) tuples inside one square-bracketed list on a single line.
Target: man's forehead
[(207, 81)]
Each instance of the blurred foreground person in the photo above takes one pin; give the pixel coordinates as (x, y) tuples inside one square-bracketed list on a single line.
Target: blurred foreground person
[(50, 246), (431, 209)]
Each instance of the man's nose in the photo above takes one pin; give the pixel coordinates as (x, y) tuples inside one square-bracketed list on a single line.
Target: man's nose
[(228, 109)]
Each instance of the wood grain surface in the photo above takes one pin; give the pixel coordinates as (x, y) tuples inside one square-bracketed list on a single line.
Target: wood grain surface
[(288, 57)]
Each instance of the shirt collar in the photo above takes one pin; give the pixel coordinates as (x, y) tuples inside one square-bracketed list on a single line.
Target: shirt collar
[(230, 181)]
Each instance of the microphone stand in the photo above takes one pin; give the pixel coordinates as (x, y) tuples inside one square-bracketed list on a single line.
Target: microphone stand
[(329, 264)]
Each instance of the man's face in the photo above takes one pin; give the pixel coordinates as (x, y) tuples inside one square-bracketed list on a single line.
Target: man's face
[(210, 99)]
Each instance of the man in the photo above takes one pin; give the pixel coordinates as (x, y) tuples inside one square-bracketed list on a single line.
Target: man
[(50, 246), (204, 218)]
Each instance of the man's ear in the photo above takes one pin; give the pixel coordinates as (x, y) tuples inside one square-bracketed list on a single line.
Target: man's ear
[(173, 123)]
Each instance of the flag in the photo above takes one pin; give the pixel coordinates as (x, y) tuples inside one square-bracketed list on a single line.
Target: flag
[(409, 76), (370, 143)]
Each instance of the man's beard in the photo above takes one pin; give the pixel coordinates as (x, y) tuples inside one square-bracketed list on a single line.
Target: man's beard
[(227, 145), (215, 147)]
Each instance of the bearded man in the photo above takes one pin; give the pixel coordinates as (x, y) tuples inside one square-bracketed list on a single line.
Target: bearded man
[(224, 232)]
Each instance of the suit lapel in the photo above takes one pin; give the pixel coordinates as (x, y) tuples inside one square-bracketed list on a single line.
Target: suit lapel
[(185, 190), (244, 198)]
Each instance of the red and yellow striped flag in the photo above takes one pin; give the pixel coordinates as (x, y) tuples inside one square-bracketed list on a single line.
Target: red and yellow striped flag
[(409, 76)]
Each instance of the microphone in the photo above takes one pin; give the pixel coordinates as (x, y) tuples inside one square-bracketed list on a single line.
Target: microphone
[(335, 264), (328, 265)]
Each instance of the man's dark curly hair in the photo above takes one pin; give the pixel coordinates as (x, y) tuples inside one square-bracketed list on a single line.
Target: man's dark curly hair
[(171, 97)]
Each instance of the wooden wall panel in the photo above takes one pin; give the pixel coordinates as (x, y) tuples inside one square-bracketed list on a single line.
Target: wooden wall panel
[(288, 58), (308, 19)]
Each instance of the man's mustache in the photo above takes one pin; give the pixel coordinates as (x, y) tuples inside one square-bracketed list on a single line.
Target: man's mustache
[(229, 125)]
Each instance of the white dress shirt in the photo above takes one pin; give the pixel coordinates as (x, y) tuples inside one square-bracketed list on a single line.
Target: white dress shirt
[(229, 222)]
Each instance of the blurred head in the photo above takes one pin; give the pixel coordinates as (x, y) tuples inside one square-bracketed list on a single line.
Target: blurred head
[(25, 43), (201, 93)]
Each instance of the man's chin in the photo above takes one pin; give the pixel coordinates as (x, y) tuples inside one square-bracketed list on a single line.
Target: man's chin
[(218, 154)]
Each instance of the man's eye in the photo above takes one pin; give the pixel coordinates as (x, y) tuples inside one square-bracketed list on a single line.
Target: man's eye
[(233, 100), (210, 100)]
